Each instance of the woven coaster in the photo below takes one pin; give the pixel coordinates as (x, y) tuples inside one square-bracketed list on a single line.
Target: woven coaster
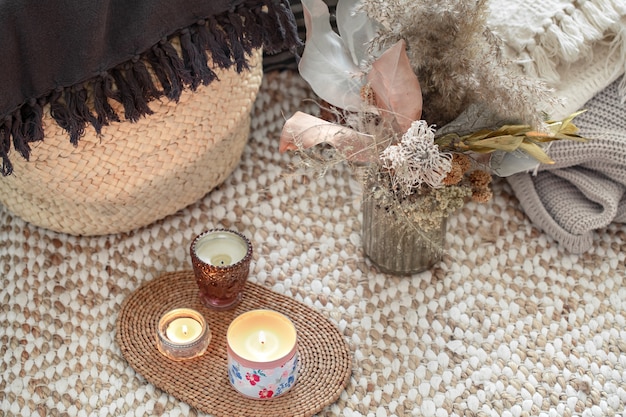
[(203, 382)]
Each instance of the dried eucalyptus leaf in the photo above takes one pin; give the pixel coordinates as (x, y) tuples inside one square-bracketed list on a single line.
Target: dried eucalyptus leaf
[(303, 131), (357, 30), (505, 164), (396, 87), (326, 62)]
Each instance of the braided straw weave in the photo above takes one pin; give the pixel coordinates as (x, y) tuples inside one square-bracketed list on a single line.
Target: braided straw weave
[(136, 173), (203, 382)]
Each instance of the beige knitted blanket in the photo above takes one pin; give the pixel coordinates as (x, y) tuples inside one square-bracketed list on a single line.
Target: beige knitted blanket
[(509, 324), (579, 49), (575, 199)]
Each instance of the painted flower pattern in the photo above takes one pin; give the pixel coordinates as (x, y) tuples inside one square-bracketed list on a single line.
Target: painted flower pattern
[(253, 378), (265, 393), (259, 383), (234, 371)]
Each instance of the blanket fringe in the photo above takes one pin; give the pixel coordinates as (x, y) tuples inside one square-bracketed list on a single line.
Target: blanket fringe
[(570, 34), (62, 114), (5, 145), (226, 40), (19, 139), (195, 59), (618, 47)]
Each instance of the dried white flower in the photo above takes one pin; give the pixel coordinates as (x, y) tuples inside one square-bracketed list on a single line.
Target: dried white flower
[(416, 161)]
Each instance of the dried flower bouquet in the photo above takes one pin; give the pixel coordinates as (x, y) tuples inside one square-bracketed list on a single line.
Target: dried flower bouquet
[(421, 96)]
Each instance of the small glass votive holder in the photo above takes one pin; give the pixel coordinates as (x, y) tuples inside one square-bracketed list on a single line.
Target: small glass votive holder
[(183, 334), (221, 264), (262, 353)]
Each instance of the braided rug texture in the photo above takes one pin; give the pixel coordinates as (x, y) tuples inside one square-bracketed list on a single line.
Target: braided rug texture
[(509, 324)]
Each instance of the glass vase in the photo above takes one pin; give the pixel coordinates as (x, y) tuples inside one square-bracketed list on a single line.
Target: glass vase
[(397, 245)]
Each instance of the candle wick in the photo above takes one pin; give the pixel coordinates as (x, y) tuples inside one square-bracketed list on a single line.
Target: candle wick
[(184, 329)]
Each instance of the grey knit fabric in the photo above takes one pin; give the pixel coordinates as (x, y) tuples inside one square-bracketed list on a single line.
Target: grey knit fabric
[(574, 199)]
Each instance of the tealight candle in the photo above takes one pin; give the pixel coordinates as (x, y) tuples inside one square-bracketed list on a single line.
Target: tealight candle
[(183, 330), (183, 334), (262, 354), (221, 263)]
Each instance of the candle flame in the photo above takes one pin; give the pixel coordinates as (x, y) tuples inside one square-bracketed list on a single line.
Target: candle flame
[(262, 337), (185, 329)]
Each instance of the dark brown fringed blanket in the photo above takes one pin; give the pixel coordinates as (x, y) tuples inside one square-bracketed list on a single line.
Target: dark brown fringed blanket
[(76, 56)]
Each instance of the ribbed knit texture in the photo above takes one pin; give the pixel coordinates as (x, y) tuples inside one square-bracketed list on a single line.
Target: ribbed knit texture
[(578, 47), (585, 190)]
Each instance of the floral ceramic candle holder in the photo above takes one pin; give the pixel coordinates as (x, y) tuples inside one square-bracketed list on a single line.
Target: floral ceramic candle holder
[(263, 357)]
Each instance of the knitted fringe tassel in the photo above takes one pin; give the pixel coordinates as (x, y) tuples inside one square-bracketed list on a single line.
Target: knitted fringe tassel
[(226, 40), (572, 33)]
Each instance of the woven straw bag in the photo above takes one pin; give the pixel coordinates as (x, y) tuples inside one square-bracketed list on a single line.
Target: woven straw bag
[(136, 173)]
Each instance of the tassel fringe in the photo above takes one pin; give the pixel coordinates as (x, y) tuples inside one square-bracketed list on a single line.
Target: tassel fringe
[(570, 35), (618, 47), (224, 41), (5, 145)]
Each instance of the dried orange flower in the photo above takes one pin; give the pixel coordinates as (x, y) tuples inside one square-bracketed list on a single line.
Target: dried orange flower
[(454, 176), (460, 164), (480, 179), (464, 161), (482, 195)]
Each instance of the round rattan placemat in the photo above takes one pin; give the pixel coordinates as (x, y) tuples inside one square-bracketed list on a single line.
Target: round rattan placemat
[(202, 382)]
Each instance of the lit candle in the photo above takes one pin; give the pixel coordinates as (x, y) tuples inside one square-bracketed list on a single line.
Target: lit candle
[(183, 330), (183, 334), (221, 264), (262, 354)]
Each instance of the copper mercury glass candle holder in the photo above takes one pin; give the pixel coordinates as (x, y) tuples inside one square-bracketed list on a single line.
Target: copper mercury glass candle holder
[(221, 264)]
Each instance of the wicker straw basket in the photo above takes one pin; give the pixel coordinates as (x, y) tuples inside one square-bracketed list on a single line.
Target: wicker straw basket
[(136, 173)]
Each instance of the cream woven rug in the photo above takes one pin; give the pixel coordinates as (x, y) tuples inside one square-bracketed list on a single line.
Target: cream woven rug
[(508, 325)]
